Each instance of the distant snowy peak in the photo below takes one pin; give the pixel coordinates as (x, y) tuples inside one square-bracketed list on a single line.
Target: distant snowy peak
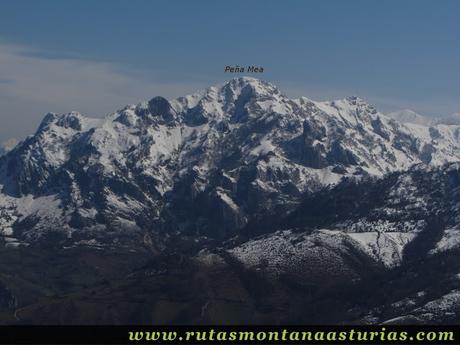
[(453, 119), (410, 116), (8, 145)]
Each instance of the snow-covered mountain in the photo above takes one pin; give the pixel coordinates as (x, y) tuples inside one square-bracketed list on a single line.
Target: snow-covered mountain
[(205, 164), (236, 200), (405, 225), (377, 216), (453, 119)]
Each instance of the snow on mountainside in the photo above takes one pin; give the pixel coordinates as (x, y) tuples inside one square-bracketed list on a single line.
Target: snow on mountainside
[(203, 164), (410, 116), (379, 218)]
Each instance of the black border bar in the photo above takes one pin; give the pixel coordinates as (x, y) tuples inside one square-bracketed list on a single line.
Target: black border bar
[(359, 334)]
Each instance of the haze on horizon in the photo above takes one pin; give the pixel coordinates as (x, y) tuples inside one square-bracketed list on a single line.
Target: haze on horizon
[(95, 57)]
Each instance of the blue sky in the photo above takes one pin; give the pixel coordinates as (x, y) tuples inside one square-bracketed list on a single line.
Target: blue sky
[(95, 56)]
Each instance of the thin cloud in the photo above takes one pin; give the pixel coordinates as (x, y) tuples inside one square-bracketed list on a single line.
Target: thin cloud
[(32, 84)]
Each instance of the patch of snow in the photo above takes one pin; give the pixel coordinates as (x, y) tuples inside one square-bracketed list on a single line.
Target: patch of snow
[(450, 240)]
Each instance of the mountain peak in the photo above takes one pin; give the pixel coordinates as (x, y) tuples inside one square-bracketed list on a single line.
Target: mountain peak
[(355, 100), (258, 86), (47, 120), (160, 106), (73, 120)]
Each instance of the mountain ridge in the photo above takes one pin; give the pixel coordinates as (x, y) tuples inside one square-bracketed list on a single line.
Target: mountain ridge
[(203, 164)]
